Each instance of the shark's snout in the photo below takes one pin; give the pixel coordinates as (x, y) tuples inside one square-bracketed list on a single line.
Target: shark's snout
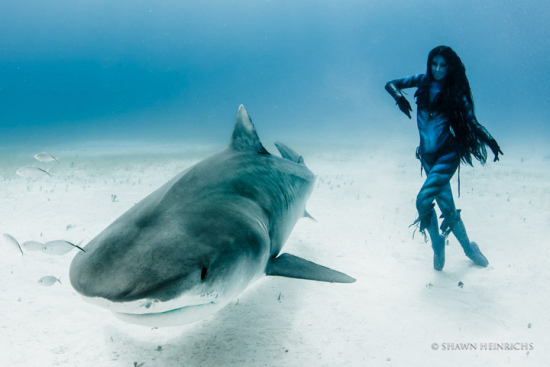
[(129, 276), (94, 279), (136, 295)]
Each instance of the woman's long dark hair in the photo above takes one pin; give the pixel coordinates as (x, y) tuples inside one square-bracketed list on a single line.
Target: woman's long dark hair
[(455, 88)]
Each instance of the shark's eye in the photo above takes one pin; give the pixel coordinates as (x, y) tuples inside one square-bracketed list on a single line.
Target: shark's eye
[(203, 273)]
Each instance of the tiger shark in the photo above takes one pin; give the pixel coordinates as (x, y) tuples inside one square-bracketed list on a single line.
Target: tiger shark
[(193, 245)]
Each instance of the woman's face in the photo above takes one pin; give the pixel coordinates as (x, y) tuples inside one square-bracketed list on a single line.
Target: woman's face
[(439, 67)]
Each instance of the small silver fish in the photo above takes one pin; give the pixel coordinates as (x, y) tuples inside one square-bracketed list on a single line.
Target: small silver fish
[(48, 280), (12, 241), (45, 157), (33, 246), (59, 247), (31, 171)]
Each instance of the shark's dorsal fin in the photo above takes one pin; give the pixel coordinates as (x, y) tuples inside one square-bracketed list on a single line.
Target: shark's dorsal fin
[(289, 154), (287, 265), (245, 137)]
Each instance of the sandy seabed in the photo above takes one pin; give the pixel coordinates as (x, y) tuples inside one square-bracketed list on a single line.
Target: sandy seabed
[(400, 312)]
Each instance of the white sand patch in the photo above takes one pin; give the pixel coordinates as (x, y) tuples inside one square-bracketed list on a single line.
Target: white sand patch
[(363, 202)]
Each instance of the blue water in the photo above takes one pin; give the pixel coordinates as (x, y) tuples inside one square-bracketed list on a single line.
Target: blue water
[(74, 70)]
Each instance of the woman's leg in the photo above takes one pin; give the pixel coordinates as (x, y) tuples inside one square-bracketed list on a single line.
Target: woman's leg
[(439, 171), (453, 223)]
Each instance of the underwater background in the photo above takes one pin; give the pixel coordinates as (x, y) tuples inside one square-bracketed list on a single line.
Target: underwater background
[(307, 71), (128, 94)]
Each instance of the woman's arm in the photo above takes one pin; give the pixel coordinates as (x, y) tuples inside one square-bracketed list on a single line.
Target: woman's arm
[(394, 89)]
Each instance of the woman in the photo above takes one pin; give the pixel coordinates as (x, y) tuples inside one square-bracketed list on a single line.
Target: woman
[(449, 135)]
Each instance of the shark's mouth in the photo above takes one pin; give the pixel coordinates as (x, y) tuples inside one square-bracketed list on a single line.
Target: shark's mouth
[(152, 312), (175, 317)]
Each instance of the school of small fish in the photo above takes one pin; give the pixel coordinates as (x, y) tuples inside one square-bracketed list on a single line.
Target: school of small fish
[(56, 247), (33, 171)]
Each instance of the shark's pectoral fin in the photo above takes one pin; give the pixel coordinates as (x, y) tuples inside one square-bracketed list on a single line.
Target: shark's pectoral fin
[(287, 265)]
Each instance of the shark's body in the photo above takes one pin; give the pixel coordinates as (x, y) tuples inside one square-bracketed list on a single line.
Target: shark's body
[(192, 246)]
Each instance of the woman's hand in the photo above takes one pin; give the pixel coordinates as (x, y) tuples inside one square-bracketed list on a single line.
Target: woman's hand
[(495, 148), (405, 106)]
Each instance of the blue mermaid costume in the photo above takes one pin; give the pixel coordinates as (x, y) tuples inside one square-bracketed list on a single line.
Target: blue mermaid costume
[(440, 155)]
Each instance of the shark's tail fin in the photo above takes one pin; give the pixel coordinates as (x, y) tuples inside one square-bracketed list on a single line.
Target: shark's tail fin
[(289, 154)]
